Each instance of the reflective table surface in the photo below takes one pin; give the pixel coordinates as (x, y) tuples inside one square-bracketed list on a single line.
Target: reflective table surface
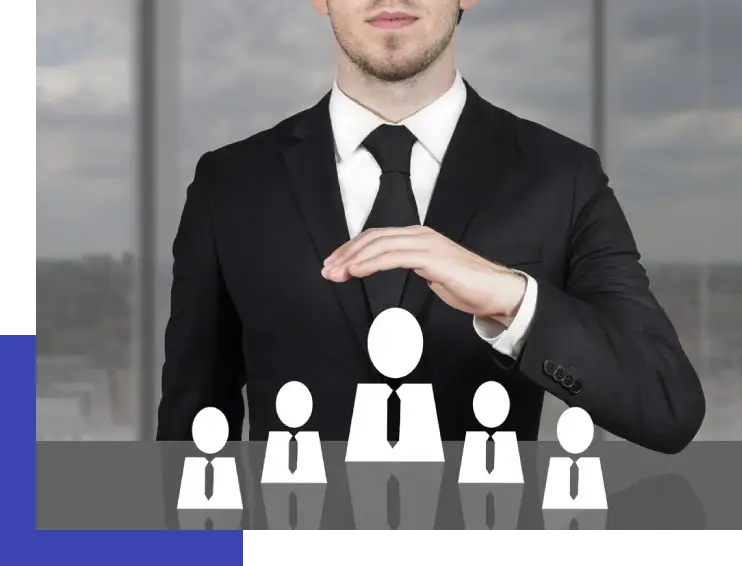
[(135, 485)]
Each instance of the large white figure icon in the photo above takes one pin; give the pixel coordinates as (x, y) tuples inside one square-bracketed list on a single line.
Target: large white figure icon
[(575, 432), (210, 432), (395, 346), (491, 407), (294, 407)]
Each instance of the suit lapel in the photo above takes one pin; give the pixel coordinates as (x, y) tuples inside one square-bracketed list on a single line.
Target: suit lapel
[(314, 182), (475, 167)]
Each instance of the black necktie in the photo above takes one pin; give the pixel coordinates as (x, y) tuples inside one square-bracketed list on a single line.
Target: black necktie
[(394, 206), (392, 417), (209, 480), (293, 453), (574, 480), (393, 503), (489, 462)]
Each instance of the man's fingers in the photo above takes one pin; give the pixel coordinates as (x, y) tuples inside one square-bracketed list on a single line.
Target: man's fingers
[(359, 241), (385, 244), (377, 247), (391, 260), (368, 236)]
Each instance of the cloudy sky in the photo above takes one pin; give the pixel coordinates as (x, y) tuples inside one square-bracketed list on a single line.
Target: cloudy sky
[(675, 147)]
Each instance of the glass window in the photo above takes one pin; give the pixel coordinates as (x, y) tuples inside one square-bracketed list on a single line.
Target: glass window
[(85, 387), (674, 158)]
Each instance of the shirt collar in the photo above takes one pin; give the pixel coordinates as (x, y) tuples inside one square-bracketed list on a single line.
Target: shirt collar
[(433, 125)]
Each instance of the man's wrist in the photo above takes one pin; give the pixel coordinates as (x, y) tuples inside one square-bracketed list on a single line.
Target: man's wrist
[(511, 291)]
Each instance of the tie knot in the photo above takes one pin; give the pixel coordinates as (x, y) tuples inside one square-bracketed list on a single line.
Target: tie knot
[(391, 147), (394, 384)]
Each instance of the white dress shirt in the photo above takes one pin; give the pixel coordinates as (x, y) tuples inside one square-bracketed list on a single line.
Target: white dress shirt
[(358, 173)]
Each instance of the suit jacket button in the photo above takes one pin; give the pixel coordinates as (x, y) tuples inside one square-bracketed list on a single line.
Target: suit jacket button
[(569, 380), (559, 374), (550, 367), (576, 387)]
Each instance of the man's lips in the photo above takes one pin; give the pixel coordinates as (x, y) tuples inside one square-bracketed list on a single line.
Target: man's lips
[(392, 20)]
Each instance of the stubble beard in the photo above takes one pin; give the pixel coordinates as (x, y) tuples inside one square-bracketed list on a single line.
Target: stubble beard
[(386, 67)]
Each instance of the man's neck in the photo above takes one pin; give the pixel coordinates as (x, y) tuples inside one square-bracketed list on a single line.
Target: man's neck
[(395, 101)]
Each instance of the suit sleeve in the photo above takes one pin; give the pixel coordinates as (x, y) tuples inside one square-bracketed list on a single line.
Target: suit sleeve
[(203, 357), (604, 343)]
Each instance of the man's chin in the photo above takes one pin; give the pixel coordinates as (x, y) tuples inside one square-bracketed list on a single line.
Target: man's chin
[(393, 73)]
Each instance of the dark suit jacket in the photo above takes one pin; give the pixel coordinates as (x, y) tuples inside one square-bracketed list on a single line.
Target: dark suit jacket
[(251, 309)]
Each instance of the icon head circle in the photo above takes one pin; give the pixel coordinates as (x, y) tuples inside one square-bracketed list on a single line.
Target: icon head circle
[(491, 404), (575, 430), (210, 430), (294, 404), (395, 343)]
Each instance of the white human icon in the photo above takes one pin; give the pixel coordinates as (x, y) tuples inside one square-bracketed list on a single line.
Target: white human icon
[(491, 405), (575, 432), (210, 431), (395, 346), (294, 407)]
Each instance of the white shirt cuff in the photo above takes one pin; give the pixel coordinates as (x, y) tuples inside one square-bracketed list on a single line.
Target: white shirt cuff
[(509, 341)]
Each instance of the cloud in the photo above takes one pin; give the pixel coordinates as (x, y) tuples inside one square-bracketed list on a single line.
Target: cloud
[(673, 154)]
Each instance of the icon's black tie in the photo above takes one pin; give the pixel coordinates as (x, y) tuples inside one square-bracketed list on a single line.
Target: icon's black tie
[(394, 206), (489, 462), (574, 480), (293, 453), (209, 480), (393, 407)]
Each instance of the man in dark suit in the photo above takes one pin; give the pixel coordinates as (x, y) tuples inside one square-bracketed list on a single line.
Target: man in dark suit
[(403, 187)]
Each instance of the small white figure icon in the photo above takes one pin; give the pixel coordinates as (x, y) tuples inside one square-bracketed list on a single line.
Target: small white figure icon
[(210, 484), (491, 458), (294, 458), (575, 432), (395, 346)]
